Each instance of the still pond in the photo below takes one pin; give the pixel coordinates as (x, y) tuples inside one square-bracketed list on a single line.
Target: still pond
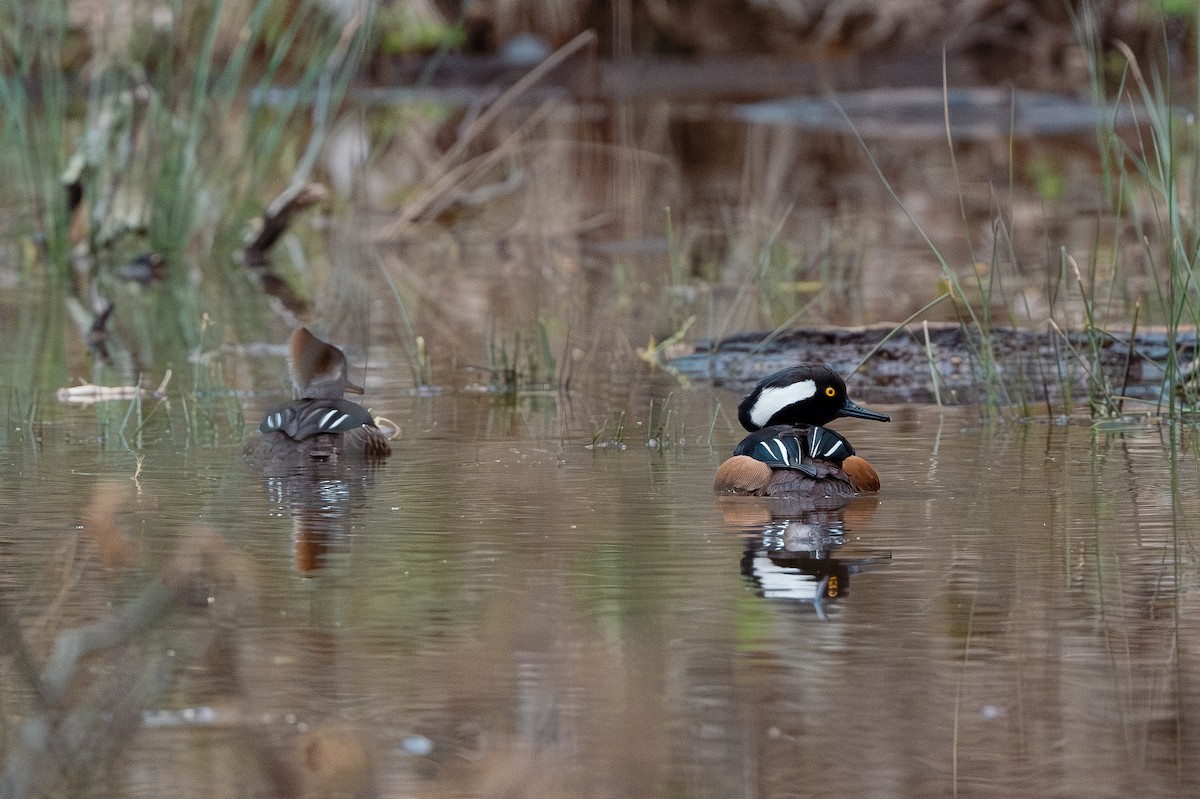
[(514, 605)]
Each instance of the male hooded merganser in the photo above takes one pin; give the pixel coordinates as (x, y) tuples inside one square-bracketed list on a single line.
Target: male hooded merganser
[(320, 425), (788, 452)]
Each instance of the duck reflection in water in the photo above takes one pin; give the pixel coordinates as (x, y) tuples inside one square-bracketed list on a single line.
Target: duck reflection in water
[(318, 452), (322, 509), (794, 557)]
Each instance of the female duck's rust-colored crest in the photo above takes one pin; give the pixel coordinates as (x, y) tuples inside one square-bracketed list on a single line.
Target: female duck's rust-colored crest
[(319, 369)]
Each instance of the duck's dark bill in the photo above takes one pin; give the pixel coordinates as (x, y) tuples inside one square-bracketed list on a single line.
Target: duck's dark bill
[(851, 409)]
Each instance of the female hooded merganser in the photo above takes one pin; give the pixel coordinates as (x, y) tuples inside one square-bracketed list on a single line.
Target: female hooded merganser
[(320, 425), (788, 452)]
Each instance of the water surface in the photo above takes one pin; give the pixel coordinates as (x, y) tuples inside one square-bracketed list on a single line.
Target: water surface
[(505, 607)]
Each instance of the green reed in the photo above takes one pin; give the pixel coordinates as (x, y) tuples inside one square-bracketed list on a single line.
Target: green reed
[(522, 366), (614, 438), (975, 314), (1153, 168), (664, 428)]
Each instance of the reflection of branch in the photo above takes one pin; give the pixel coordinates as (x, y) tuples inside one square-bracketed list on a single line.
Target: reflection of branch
[(91, 695), (73, 645), (57, 741), (278, 217), (275, 221), (12, 641)]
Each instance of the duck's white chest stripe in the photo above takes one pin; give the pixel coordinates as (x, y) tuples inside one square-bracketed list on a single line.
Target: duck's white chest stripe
[(772, 399)]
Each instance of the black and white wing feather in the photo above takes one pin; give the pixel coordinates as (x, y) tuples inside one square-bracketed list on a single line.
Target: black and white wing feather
[(826, 445), (787, 447), (307, 418)]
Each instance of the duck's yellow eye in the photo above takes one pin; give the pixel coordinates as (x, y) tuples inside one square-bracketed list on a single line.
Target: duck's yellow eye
[(830, 391)]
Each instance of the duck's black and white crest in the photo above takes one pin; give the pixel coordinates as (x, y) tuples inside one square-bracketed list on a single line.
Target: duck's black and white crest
[(776, 393), (807, 394), (306, 418)]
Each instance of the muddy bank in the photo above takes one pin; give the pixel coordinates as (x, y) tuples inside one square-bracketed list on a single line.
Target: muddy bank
[(1030, 365)]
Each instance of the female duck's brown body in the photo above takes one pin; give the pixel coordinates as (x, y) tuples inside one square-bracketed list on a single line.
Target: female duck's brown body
[(319, 426), (788, 452)]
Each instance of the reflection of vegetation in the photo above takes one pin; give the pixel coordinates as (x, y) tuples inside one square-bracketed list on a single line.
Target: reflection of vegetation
[(754, 276), (526, 366), (662, 430), (142, 182)]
